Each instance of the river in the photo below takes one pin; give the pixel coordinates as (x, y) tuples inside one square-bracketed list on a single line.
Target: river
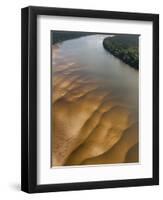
[(85, 63)]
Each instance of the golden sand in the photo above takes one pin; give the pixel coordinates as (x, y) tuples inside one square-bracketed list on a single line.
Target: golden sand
[(89, 124)]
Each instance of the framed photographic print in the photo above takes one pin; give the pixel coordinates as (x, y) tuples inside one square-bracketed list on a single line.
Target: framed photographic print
[(90, 99)]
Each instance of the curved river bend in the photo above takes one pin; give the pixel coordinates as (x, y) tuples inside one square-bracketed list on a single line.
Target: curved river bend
[(94, 105)]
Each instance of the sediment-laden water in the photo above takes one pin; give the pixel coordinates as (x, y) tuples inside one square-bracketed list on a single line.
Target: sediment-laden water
[(94, 105)]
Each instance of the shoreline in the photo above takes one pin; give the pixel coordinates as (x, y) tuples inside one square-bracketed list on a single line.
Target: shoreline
[(126, 55)]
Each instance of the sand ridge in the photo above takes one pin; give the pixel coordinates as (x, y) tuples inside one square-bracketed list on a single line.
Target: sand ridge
[(89, 124)]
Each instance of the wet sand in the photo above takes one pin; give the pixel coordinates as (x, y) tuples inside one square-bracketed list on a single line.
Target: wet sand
[(91, 123)]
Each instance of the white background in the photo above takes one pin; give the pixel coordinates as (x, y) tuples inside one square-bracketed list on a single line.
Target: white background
[(47, 175), (10, 100)]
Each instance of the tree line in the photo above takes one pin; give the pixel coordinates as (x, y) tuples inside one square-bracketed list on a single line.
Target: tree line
[(60, 36), (125, 47)]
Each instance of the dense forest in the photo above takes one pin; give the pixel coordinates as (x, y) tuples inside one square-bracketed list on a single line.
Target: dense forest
[(60, 36), (125, 47)]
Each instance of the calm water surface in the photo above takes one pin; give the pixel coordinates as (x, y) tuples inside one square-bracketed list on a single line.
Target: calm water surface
[(88, 52), (85, 125)]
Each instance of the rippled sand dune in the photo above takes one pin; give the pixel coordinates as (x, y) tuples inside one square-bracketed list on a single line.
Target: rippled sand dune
[(90, 124)]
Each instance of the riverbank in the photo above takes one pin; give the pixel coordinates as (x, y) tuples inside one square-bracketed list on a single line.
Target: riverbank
[(94, 105), (60, 36), (125, 47)]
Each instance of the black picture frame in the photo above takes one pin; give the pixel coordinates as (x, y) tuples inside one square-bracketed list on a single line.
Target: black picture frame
[(29, 99)]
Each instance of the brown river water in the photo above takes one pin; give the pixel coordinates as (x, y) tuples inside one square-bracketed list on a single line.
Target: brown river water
[(94, 105)]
